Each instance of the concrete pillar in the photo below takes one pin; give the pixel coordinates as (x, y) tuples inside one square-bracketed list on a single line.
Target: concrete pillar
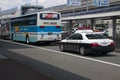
[(93, 22), (114, 28), (70, 27)]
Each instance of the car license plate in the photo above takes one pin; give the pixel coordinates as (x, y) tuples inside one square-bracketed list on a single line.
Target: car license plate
[(49, 33), (50, 38), (104, 43)]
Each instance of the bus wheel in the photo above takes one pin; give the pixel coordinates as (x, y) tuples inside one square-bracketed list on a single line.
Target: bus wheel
[(12, 37), (27, 40)]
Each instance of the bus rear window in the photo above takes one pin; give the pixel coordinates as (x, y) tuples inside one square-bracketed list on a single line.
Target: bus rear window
[(49, 16)]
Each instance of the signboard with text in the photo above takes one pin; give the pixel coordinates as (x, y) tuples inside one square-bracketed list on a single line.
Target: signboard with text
[(101, 2), (74, 2)]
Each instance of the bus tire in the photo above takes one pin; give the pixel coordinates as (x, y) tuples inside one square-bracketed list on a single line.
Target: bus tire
[(27, 40), (12, 37)]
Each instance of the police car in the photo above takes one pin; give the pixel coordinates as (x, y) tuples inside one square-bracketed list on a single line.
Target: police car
[(87, 41)]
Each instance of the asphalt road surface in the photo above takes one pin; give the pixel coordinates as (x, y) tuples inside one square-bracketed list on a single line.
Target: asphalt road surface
[(49, 61), (13, 70)]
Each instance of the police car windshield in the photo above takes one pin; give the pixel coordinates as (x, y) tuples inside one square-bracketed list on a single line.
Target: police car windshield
[(95, 36)]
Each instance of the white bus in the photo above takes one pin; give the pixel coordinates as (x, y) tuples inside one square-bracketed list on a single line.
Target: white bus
[(40, 26)]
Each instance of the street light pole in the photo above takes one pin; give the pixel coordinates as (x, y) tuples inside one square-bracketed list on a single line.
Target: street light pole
[(87, 4), (0, 13), (36, 5), (0, 20)]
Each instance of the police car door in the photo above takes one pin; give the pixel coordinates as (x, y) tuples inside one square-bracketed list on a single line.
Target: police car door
[(70, 43), (77, 42), (74, 42)]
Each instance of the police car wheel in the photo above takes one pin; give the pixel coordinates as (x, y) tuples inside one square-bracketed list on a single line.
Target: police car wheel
[(104, 53), (61, 47), (82, 51)]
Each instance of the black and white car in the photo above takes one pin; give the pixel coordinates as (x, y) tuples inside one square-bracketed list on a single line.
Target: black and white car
[(86, 42)]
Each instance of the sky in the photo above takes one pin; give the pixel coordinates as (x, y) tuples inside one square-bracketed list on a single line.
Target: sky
[(7, 4)]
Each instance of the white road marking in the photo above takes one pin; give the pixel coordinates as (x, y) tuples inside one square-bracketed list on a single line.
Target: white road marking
[(3, 57), (100, 61), (115, 53)]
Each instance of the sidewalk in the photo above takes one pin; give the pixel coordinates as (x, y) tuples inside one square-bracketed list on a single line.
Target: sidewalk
[(117, 50)]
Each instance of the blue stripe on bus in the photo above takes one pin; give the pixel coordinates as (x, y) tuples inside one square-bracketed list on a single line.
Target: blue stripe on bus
[(23, 38), (38, 29)]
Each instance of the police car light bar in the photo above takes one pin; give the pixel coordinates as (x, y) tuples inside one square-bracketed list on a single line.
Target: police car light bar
[(83, 31)]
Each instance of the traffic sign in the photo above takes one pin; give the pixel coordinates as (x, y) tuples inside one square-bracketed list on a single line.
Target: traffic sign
[(101, 2), (74, 2)]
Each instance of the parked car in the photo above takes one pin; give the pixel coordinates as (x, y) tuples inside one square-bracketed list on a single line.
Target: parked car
[(86, 42)]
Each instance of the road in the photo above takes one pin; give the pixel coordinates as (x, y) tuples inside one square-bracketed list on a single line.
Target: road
[(49, 61), (13, 70), (113, 57)]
